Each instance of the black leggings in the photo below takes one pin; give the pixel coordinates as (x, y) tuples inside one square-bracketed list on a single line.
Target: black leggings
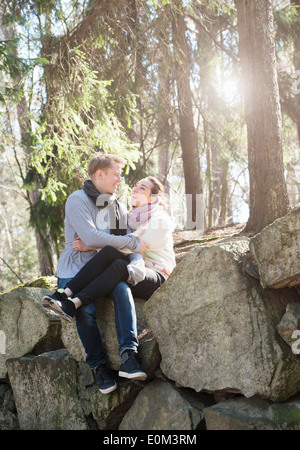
[(100, 275)]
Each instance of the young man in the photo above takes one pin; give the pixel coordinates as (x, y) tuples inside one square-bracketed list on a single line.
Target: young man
[(94, 215)]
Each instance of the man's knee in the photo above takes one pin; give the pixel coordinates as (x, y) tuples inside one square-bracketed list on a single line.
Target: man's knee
[(123, 301), (122, 289)]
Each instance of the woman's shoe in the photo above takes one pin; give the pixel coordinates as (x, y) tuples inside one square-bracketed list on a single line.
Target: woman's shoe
[(61, 304)]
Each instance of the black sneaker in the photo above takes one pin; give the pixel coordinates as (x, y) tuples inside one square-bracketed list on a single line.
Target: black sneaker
[(61, 304), (104, 379), (58, 295), (130, 367)]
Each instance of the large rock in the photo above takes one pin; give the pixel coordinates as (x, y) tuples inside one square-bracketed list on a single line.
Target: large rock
[(288, 327), (26, 326), (108, 410), (52, 391), (8, 413), (253, 414), (45, 392), (161, 406), (216, 327), (276, 251)]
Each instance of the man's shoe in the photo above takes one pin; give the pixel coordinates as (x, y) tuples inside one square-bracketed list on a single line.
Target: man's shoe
[(61, 304), (130, 367), (104, 379)]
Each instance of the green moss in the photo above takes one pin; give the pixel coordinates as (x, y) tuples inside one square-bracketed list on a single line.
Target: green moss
[(41, 282), (288, 414), (203, 240)]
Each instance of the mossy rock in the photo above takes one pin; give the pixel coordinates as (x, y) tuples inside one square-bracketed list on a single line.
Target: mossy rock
[(41, 282)]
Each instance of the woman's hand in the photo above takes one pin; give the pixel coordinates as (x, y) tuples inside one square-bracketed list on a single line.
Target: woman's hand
[(80, 246)]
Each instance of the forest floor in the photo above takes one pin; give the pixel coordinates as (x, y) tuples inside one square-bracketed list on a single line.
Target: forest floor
[(184, 241)]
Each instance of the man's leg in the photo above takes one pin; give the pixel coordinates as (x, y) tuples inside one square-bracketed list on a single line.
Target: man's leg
[(89, 334), (88, 331), (126, 325), (90, 337), (125, 317), (125, 313)]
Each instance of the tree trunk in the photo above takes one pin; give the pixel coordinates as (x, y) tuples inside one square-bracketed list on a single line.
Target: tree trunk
[(222, 219), (164, 112), (45, 256), (268, 192), (296, 34), (188, 136)]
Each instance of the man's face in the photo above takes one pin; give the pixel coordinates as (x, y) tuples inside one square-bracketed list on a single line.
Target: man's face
[(107, 180)]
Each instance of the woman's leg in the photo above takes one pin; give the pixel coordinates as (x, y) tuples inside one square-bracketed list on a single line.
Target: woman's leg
[(103, 284), (96, 279), (94, 267), (153, 280)]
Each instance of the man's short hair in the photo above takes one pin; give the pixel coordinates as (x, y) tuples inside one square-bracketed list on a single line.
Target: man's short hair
[(103, 161)]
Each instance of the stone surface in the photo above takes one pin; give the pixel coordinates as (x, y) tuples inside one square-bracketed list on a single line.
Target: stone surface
[(108, 410), (253, 414), (45, 392), (289, 324), (220, 332), (8, 413), (26, 326), (219, 323), (276, 252), (161, 406)]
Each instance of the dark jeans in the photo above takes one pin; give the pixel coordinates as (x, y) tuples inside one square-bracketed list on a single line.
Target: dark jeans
[(125, 317), (104, 271), (87, 327)]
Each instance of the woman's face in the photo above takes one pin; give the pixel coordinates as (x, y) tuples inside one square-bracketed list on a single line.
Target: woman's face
[(141, 193)]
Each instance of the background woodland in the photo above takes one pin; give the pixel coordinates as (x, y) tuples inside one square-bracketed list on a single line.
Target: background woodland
[(202, 94)]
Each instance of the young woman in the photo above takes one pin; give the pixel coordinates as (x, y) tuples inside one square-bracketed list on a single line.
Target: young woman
[(147, 218)]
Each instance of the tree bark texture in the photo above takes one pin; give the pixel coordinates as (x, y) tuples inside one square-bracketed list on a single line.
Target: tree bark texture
[(268, 192), (43, 247), (188, 135)]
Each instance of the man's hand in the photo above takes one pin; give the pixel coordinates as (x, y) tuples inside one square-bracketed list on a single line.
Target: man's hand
[(144, 246), (80, 246)]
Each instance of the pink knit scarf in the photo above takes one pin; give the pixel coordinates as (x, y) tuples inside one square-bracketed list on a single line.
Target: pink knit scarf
[(139, 215)]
